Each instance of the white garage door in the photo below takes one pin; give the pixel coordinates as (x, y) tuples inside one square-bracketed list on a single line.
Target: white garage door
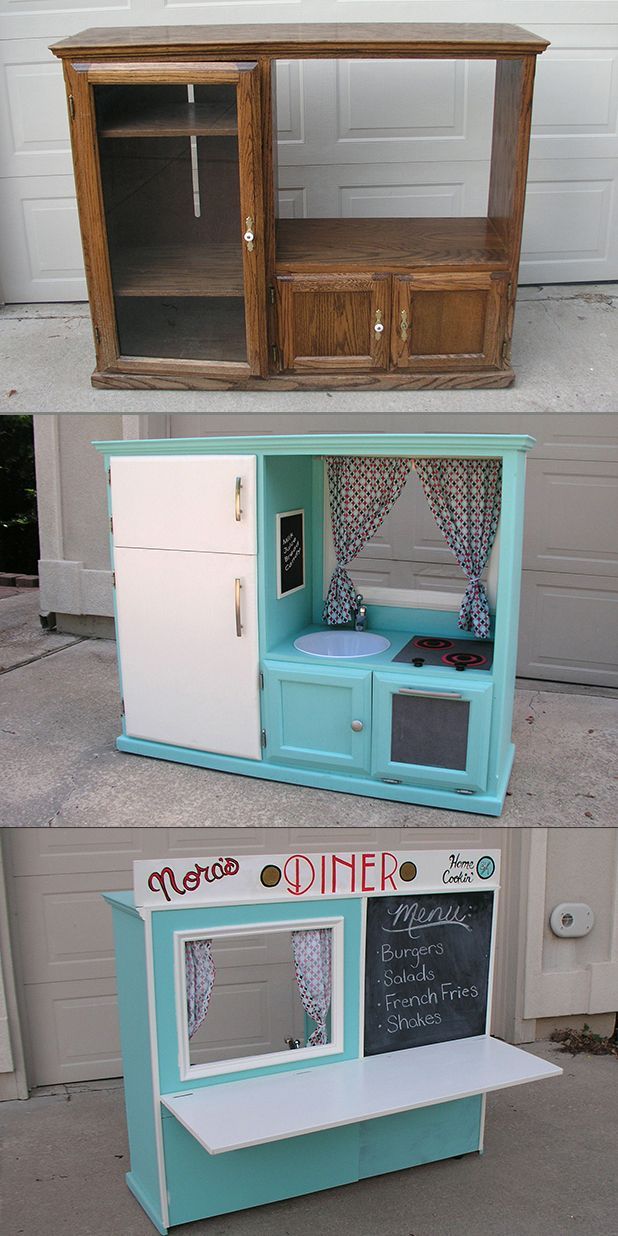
[(348, 146)]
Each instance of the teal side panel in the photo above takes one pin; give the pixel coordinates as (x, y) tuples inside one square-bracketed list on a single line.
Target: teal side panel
[(288, 486), (137, 1059), (201, 1185), (425, 1135), (166, 922)]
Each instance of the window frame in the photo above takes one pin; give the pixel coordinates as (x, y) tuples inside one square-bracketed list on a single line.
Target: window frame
[(240, 1064)]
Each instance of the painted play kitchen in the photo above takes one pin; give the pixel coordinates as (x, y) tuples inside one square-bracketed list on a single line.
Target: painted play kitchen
[(193, 279), (245, 646), (359, 1045)]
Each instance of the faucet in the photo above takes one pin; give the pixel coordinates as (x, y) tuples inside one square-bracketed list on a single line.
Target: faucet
[(360, 613)]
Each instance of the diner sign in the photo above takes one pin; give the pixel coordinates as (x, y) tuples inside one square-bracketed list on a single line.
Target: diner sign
[(233, 878)]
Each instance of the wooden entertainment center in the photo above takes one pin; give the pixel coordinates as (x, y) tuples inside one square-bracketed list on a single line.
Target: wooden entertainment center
[(194, 283)]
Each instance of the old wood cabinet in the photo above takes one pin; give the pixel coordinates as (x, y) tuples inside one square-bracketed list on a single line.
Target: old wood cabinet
[(194, 283)]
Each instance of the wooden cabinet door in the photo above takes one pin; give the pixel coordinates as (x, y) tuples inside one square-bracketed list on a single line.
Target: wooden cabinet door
[(204, 503), (188, 648), (311, 714), (170, 190), (448, 321), (333, 322), (431, 735)]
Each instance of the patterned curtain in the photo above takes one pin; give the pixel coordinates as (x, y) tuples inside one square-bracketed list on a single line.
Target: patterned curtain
[(312, 962), (464, 497), (362, 492), (200, 974)]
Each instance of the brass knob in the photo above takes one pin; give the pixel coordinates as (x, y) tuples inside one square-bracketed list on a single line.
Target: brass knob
[(357, 726), (403, 325)]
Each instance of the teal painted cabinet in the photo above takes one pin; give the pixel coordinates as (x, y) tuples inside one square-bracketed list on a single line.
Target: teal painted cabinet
[(320, 717), (211, 669), (432, 734)]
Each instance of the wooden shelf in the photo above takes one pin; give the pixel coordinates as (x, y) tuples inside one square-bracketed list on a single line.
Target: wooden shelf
[(313, 245), (179, 270), (251, 1112), (172, 120)]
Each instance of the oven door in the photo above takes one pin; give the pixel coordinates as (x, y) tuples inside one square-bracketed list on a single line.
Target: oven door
[(436, 734)]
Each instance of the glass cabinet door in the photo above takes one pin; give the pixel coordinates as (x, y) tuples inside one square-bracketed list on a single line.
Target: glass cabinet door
[(180, 181), (436, 734)]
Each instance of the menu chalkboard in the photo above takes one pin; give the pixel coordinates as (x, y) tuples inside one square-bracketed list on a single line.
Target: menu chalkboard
[(427, 968), (290, 552)]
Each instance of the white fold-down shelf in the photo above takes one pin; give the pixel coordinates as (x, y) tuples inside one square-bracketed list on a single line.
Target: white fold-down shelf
[(235, 1115)]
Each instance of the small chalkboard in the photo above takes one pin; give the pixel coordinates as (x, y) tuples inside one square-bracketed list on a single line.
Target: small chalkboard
[(427, 968), (290, 552)]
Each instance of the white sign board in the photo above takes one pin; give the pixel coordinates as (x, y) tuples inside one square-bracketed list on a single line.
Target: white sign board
[(245, 878)]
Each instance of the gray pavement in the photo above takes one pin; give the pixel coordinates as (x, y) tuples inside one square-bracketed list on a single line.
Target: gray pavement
[(549, 1169), (60, 715), (565, 356)]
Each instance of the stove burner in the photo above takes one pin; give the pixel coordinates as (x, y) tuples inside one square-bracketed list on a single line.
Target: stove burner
[(426, 641), (464, 660)]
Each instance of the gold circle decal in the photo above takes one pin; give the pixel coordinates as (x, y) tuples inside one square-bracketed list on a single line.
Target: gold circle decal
[(270, 876), (408, 872)]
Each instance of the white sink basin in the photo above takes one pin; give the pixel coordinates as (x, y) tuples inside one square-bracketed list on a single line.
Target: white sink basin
[(342, 644)]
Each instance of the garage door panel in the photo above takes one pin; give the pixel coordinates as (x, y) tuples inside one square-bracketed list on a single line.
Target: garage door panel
[(65, 934), (575, 112), (75, 852), (568, 628), (570, 229), (40, 247), (80, 1041), (34, 128), (572, 517)]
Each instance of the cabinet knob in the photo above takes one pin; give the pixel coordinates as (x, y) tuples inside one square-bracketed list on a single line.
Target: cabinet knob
[(357, 726), (379, 325), (249, 235)]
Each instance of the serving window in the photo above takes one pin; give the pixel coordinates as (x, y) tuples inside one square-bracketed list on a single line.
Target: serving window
[(249, 997)]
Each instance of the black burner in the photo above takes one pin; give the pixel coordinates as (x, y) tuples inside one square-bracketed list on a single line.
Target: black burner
[(464, 660), (426, 641)]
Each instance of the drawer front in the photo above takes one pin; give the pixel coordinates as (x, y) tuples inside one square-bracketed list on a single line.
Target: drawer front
[(446, 321), (332, 322), (431, 735), (310, 714)]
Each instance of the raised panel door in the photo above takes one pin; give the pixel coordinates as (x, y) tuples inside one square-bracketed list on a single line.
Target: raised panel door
[(333, 322), (448, 321)]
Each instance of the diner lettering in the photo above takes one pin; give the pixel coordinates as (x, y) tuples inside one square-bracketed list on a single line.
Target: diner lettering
[(167, 881)]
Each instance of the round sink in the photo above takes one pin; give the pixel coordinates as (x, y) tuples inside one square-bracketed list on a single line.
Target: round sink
[(342, 644)]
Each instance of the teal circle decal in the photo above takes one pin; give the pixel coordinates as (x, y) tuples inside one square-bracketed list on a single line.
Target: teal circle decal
[(485, 867)]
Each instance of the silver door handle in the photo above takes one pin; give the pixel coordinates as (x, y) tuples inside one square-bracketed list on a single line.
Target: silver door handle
[(237, 587), (237, 506), (430, 695)]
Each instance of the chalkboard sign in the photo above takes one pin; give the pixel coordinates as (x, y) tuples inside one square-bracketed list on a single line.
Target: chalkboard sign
[(290, 552), (427, 969)]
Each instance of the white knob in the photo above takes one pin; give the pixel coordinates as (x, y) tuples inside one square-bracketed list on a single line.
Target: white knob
[(378, 328), (357, 726), (248, 236)]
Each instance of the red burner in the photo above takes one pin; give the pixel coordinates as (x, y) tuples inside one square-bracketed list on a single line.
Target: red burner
[(426, 641), (470, 659)]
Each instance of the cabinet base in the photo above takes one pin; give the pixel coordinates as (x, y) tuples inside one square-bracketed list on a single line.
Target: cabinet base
[(109, 379), (364, 787)]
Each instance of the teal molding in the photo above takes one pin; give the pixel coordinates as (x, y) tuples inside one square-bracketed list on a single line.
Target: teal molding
[(465, 446)]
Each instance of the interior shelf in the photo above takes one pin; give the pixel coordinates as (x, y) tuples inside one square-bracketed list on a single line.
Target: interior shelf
[(179, 270), (165, 119), (238, 1114), (312, 245)]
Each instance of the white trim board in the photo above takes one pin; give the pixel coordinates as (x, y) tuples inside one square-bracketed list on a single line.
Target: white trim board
[(236, 1115)]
